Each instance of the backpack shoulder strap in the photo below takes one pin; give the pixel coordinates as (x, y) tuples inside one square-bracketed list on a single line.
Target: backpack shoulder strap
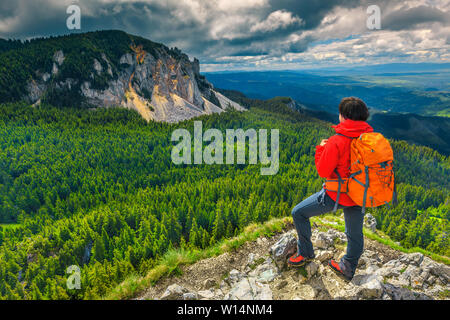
[(394, 195), (339, 134)]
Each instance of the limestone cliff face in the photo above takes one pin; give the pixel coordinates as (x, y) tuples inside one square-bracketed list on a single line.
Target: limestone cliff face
[(158, 85)]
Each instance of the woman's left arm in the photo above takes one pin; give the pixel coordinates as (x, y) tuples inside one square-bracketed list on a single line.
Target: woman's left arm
[(326, 159)]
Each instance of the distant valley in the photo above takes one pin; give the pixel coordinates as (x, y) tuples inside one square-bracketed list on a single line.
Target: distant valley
[(422, 89), (407, 101)]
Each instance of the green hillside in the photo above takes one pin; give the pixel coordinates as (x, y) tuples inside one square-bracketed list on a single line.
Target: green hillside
[(98, 189), (433, 132)]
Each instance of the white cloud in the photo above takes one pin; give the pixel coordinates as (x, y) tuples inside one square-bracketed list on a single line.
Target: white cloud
[(237, 5), (279, 19)]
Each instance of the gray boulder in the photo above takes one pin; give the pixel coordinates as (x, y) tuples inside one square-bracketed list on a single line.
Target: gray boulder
[(209, 283), (206, 294), (372, 289), (283, 248), (324, 255), (266, 272), (370, 222), (174, 292), (249, 289), (190, 296), (415, 258), (311, 268), (401, 293), (234, 276)]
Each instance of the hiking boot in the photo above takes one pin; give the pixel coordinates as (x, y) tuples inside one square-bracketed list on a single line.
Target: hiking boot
[(298, 260), (340, 270)]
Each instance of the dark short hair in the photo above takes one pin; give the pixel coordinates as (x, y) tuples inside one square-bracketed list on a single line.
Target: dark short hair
[(354, 109)]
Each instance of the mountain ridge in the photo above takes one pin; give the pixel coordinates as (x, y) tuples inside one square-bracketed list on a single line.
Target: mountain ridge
[(108, 68)]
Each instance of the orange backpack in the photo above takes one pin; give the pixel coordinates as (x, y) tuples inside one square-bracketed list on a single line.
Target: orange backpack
[(371, 180)]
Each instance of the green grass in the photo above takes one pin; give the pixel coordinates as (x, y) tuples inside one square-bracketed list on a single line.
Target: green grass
[(302, 271), (257, 263), (445, 294), (410, 288), (10, 225)]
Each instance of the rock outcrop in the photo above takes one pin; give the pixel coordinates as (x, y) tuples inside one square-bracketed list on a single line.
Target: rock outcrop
[(264, 275), (160, 85)]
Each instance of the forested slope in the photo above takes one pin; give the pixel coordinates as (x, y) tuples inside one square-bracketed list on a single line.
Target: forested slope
[(21, 62), (107, 68), (98, 189)]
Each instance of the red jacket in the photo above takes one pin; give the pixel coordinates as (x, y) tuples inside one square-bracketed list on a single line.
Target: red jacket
[(336, 154)]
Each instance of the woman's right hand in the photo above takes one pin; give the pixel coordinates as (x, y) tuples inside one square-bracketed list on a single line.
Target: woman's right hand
[(324, 142)]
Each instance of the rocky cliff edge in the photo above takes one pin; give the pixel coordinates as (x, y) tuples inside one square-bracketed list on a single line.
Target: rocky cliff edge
[(258, 271)]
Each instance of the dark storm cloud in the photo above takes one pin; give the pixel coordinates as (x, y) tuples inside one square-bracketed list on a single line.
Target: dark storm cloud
[(24, 19), (312, 11), (156, 21), (409, 18), (212, 29), (149, 20), (8, 9)]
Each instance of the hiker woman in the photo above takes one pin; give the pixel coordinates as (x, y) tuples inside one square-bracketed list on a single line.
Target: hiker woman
[(333, 155)]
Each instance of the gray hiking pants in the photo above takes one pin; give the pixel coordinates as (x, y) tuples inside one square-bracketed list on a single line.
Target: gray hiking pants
[(320, 203)]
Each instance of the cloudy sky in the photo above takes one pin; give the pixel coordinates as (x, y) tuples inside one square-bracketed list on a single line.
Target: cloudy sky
[(255, 34)]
